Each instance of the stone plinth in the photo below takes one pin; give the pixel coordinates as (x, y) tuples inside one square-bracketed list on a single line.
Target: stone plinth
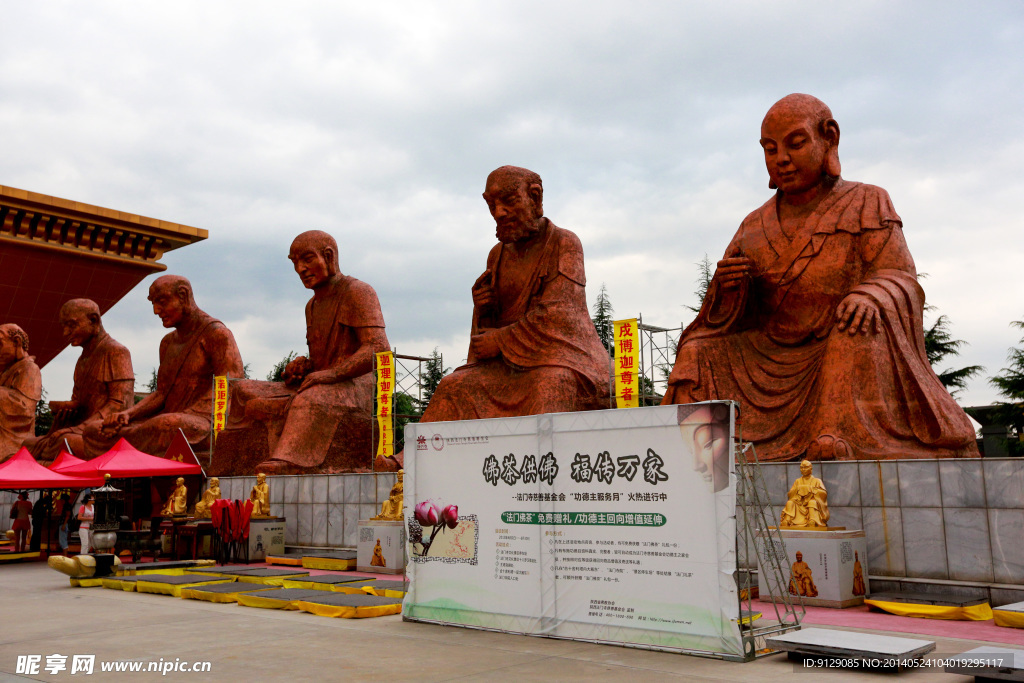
[(266, 537), (829, 557), (391, 537)]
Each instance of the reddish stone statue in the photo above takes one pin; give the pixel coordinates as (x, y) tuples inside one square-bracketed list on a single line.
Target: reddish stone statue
[(104, 382), (813, 320), (21, 387), (533, 348), (320, 418), (198, 348)]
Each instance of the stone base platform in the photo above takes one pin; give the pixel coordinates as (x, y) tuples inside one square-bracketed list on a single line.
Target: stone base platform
[(831, 559), (381, 542)]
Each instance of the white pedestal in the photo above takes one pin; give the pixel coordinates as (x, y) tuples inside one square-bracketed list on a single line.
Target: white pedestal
[(830, 558), (266, 537), (391, 538)]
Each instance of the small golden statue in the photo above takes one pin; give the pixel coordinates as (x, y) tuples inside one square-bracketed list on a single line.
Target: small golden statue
[(211, 494), (260, 497), (807, 507), (391, 509), (177, 503), (801, 582)]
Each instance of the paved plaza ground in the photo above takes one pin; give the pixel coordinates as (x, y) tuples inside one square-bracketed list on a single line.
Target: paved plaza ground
[(40, 614)]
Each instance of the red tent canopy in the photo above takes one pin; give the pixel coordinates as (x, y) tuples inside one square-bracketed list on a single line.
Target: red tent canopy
[(22, 471), (63, 461), (123, 461)]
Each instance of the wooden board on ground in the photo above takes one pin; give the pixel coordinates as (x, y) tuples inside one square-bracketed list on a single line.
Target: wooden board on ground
[(988, 663), (345, 606), (869, 649), (323, 582), (223, 592), (172, 585), (928, 599), (285, 598), (336, 561)]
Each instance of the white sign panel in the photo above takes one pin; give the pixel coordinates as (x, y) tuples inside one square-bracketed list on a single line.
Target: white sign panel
[(610, 526)]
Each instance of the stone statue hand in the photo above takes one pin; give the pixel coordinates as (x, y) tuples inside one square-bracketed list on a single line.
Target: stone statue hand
[(296, 370), (318, 377), (485, 344), (112, 424), (858, 313), (732, 271), (483, 293)]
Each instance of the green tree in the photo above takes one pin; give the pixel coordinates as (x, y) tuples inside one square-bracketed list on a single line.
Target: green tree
[(151, 384), (433, 373), (405, 412), (603, 319), (44, 416), (1010, 383), (939, 345), (705, 271), (276, 374)]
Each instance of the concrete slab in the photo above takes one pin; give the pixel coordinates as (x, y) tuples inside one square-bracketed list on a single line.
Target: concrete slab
[(989, 664), (861, 650)]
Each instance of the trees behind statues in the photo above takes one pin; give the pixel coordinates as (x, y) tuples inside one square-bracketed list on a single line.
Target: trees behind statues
[(1010, 384)]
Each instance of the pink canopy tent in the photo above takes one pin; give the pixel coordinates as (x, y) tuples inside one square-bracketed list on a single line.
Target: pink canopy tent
[(123, 461), (63, 461), (22, 471)]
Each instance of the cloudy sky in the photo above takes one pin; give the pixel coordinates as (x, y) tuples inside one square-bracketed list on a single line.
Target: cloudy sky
[(379, 122)]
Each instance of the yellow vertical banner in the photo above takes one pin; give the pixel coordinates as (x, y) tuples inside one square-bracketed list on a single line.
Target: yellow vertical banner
[(385, 403), (220, 404), (627, 364)]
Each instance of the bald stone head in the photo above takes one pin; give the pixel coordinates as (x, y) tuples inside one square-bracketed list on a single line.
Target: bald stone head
[(801, 145), (172, 299), (314, 255), (13, 345), (80, 321), (515, 198)]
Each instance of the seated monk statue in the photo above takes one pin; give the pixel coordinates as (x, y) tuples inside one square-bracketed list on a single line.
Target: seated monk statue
[(391, 509), (211, 494), (533, 347), (813, 319), (104, 382), (177, 502), (260, 497), (199, 348), (807, 501), (378, 556), (858, 576), (801, 581), (21, 387), (324, 408)]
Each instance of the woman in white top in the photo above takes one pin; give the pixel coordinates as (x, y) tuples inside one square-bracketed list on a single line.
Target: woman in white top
[(85, 516)]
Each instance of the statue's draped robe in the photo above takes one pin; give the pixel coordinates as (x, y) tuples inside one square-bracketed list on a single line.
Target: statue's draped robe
[(21, 387), (188, 364), (104, 385), (551, 359), (302, 426), (806, 388)]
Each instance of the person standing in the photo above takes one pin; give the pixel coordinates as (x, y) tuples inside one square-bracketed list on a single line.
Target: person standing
[(85, 516), (40, 514), (63, 516), (20, 512)]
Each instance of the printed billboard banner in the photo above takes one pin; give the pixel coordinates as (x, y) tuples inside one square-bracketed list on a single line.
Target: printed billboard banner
[(610, 526)]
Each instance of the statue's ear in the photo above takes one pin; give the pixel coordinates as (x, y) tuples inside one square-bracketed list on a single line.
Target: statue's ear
[(830, 132), (536, 193), (331, 258)]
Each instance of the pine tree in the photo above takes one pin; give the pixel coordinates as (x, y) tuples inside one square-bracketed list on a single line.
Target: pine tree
[(705, 271), (1011, 386), (151, 384), (938, 344), (44, 416), (432, 376), (603, 319)]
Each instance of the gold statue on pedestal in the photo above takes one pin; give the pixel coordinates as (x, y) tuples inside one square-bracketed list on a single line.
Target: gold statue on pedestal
[(260, 497), (211, 494), (807, 507), (391, 509), (177, 503)]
